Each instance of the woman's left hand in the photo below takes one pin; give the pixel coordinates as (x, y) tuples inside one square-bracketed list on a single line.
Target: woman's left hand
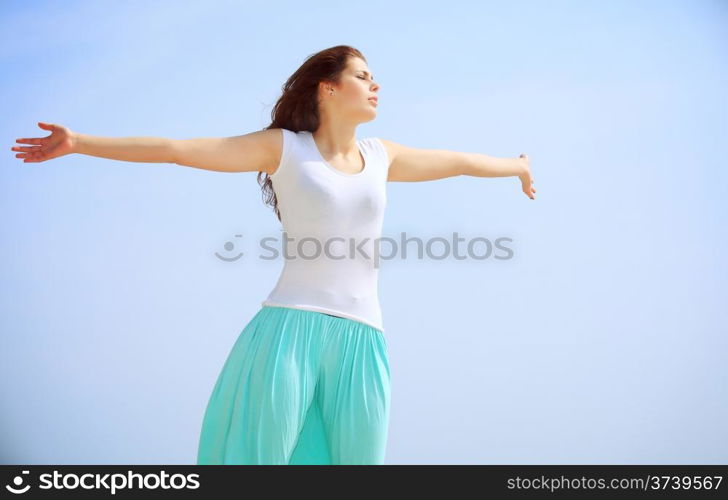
[(526, 179)]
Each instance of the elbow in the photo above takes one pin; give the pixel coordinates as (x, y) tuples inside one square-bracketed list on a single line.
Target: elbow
[(174, 152), (465, 164)]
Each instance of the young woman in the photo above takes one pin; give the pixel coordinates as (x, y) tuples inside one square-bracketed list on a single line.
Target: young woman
[(307, 381)]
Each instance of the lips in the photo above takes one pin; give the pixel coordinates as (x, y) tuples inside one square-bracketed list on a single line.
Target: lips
[(375, 99)]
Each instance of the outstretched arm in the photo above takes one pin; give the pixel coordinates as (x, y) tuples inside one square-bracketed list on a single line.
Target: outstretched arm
[(408, 164), (256, 151)]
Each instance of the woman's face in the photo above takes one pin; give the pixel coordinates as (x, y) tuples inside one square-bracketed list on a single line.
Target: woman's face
[(352, 96)]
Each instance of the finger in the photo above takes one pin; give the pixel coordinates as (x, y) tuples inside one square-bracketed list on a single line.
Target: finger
[(34, 140), (25, 148), (34, 152), (31, 151)]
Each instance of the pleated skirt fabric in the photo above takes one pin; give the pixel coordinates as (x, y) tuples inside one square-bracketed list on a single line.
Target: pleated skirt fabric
[(300, 387)]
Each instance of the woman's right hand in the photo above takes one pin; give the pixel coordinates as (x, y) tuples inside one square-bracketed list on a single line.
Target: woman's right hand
[(62, 141)]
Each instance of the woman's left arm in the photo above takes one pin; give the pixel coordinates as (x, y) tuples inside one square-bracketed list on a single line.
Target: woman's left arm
[(412, 164)]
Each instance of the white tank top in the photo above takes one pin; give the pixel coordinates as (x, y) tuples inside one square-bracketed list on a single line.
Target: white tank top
[(333, 221)]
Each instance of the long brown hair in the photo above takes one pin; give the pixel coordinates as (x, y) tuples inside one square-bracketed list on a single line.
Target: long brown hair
[(297, 108)]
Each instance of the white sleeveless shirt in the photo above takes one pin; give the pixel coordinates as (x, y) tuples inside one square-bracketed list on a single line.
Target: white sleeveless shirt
[(333, 222)]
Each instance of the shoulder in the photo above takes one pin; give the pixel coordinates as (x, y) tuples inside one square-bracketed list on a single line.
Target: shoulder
[(375, 145), (276, 142), (282, 141), (389, 148)]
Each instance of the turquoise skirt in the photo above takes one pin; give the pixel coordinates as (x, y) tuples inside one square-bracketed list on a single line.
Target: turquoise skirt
[(300, 387)]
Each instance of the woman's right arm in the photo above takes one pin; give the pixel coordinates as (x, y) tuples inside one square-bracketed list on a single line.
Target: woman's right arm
[(256, 151), (136, 149)]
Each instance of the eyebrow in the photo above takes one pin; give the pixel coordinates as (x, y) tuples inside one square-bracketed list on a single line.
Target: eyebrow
[(366, 73)]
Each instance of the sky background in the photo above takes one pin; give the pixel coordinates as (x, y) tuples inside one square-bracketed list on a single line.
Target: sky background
[(602, 341)]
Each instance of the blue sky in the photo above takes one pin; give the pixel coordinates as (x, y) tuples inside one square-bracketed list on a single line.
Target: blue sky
[(601, 341)]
